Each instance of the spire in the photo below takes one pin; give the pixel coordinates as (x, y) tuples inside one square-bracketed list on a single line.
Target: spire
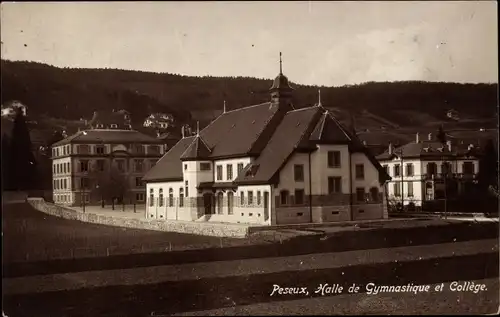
[(281, 66), (224, 106), (319, 98)]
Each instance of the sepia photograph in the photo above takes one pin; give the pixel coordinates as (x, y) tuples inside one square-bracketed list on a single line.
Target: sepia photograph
[(250, 158)]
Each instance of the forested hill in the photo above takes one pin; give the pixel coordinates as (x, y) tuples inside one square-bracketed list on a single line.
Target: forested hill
[(74, 93)]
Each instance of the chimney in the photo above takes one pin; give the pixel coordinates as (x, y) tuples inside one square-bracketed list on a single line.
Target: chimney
[(390, 148), (417, 139), (182, 131), (448, 144), (429, 137)]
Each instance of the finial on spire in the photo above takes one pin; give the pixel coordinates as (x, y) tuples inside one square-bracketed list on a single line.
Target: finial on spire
[(224, 106), (197, 128), (319, 97), (281, 66)]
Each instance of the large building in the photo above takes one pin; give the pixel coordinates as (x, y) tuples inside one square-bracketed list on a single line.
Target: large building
[(95, 165), (268, 164), (421, 169)]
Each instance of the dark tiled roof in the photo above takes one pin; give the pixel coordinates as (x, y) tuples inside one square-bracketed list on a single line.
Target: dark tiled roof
[(292, 129), (108, 136), (169, 167), (207, 185), (428, 149), (239, 132), (281, 82), (198, 149), (328, 130)]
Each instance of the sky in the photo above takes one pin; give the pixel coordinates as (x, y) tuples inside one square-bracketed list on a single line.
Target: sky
[(323, 43)]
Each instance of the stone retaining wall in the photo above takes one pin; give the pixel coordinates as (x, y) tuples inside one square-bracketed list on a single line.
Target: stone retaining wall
[(206, 229)]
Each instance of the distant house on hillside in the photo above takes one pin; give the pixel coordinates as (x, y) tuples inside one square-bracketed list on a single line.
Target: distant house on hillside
[(111, 120), (10, 109), (453, 114), (159, 121)]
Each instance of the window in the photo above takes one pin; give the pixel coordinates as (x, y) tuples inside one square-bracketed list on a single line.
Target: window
[(242, 199), (298, 172), (68, 149), (397, 189), (154, 149), (284, 197), (397, 170), (410, 189), (185, 167), (334, 185), (219, 172), (230, 199), (65, 184), (152, 163), (120, 164), (181, 197), (259, 198), (69, 167), (100, 165), (409, 169), (83, 149), (374, 194), (250, 197), (160, 200), (205, 166), (220, 202), (138, 149), (138, 182), (360, 194), (84, 183), (229, 172), (139, 197), (360, 171), (170, 197), (151, 198), (84, 166), (100, 149), (240, 168), (138, 165), (468, 168), (431, 169), (386, 169), (334, 159), (187, 192), (445, 168), (54, 168), (299, 196)]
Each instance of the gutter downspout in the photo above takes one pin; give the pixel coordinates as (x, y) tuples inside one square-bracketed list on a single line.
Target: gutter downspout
[(310, 190)]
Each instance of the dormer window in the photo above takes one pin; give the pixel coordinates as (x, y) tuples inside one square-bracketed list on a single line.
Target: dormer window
[(114, 126)]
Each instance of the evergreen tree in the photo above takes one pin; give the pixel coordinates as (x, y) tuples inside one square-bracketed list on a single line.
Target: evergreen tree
[(441, 135), (6, 166), (488, 167), (23, 165)]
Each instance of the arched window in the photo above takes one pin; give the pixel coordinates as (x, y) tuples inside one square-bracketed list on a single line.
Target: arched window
[(284, 197), (230, 201), (181, 197), (170, 197), (151, 197), (220, 202), (374, 194), (160, 200)]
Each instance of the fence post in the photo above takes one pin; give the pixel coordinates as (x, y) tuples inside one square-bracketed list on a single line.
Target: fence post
[(170, 246), (107, 251), (220, 240)]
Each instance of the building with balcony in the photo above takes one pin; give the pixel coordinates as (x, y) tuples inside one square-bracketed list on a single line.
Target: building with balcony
[(268, 164), (421, 170), (102, 165)]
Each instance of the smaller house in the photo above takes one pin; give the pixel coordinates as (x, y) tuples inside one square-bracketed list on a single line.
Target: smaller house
[(159, 121), (111, 120)]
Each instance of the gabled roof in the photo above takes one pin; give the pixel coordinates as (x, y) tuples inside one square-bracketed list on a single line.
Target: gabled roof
[(108, 136), (169, 167), (197, 150), (329, 131), (295, 126)]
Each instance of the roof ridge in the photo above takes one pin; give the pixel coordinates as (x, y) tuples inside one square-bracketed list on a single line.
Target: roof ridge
[(243, 108), (300, 109)]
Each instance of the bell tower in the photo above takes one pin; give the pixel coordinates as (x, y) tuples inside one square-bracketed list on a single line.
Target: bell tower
[(281, 92)]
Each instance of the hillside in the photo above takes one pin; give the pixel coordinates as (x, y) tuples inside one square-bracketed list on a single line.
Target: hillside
[(71, 94)]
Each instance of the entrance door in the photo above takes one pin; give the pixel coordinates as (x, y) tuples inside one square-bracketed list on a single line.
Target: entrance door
[(266, 205), (207, 202)]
